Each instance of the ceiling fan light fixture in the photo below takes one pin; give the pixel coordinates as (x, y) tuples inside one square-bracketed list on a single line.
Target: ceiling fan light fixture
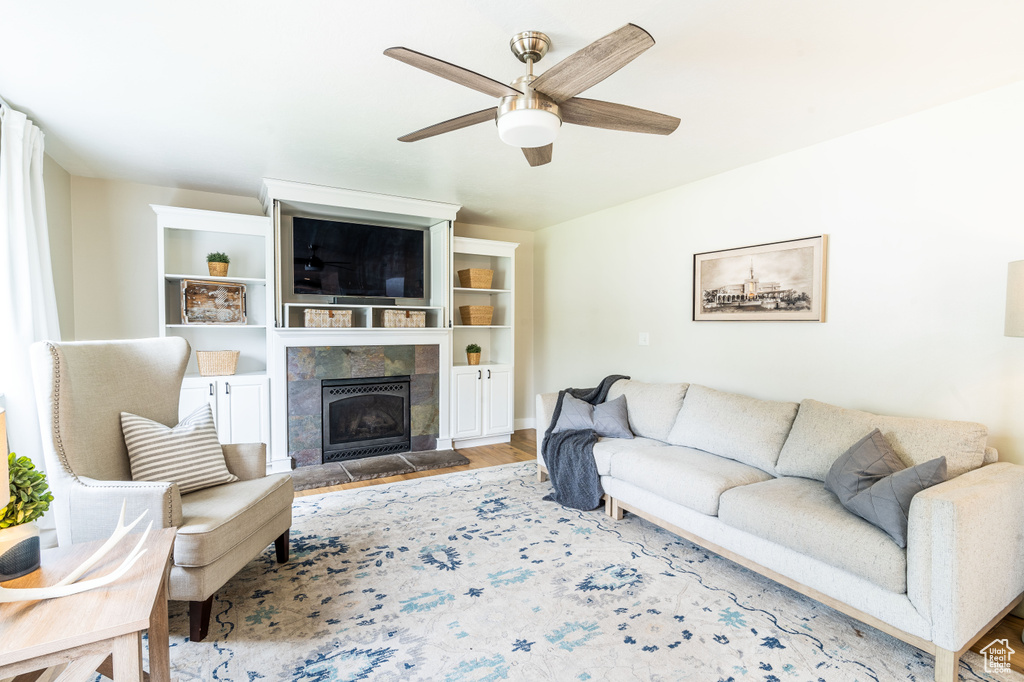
[(529, 128)]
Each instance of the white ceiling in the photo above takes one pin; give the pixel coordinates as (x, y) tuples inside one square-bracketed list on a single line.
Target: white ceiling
[(217, 95)]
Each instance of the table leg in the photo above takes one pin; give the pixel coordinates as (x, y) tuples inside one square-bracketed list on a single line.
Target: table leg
[(128, 658), (159, 641)]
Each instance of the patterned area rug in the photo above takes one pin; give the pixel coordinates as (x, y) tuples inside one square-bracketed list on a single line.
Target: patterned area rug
[(471, 576), (333, 473)]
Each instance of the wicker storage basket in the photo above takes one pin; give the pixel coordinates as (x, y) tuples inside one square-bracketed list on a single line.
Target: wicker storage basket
[(476, 278), (405, 318), (321, 317), (476, 314), (217, 363)]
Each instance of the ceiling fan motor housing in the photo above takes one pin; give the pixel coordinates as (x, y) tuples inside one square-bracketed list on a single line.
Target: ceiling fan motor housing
[(530, 119)]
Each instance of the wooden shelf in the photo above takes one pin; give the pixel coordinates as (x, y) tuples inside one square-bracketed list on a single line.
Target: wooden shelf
[(211, 278)]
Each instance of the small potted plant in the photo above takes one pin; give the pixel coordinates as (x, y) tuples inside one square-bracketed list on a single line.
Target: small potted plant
[(19, 536), (218, 263), (473, 354)]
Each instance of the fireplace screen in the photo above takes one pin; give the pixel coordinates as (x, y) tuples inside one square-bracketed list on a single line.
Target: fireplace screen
[(365, 417)]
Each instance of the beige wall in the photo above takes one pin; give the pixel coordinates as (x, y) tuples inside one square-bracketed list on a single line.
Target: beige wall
[(524, 389), (923, 213), (57, 184), (115, 268)]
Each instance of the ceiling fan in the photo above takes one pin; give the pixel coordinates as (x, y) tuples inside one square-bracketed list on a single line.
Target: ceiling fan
[(533, 108)]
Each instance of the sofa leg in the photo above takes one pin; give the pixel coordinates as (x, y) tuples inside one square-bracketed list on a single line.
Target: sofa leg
[(947, 665), (541, 475), (611, 508), (199, 619), (281, 545)]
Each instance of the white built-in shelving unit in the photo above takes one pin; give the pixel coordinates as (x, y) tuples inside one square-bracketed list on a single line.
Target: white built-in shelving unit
[(483, 395), (240, 402)]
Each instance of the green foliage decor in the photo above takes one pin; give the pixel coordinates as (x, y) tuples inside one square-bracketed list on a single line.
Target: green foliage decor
[(29, 496), (472, 348), (217, 257)]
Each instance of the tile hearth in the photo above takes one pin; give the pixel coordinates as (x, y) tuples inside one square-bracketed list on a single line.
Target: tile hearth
[(308, 366)]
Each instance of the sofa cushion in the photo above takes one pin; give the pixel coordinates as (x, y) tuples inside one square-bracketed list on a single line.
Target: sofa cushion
[(606, 419), (216, 519), (652, 408), (800, 514), (691, 478), (606, 448), (736, 426), (823, 432)]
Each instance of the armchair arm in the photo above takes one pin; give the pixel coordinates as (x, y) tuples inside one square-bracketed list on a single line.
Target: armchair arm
[(545, 409), (246, 460), (95, 505), (965, 551)]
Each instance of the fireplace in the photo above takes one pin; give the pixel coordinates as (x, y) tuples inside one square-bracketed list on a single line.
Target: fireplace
[(365, 417)]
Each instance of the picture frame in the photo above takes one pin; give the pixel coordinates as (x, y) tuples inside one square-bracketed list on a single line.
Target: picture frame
[(778, 281)]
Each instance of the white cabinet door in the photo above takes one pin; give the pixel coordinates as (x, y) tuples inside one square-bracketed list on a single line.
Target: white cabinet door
[(466, 402), (244, 409), (196, 391), (498, 400)]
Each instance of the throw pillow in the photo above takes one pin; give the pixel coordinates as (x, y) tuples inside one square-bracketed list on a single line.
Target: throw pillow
[(608, 419), (611, 419), (873, 483), (188, 454)]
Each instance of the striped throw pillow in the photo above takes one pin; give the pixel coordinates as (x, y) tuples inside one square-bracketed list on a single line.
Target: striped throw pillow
[(188, 454)]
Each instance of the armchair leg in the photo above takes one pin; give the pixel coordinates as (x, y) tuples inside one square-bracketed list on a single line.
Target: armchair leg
[(199, 619), (281, 545)]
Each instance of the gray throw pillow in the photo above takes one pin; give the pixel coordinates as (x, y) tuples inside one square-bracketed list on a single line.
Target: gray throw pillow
[(871, 481), (606, 419), (576, 415), (611, 419)]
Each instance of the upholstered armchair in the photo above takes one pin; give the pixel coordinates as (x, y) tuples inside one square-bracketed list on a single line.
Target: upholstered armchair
[(82, 388)]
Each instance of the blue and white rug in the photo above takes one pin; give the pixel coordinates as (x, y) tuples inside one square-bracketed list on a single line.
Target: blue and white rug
[(471, 576)]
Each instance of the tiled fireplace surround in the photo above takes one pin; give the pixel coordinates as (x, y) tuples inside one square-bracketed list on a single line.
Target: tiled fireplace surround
[(308, 366)]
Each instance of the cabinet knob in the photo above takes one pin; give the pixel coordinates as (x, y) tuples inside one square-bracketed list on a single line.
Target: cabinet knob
[(479, 374), (488, 374), (227, 388), (211, 388)]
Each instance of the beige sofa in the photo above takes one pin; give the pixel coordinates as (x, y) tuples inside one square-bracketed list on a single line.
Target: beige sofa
[(744, 478)]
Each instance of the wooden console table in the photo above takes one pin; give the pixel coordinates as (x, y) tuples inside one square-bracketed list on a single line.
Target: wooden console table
[(87, 628)]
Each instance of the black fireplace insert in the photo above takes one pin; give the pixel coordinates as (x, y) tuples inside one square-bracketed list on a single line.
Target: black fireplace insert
[(365, 417)]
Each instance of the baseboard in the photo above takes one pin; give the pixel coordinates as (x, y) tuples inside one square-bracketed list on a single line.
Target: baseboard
[(280, 466), (527, 423), (477, 442), (444, 444)]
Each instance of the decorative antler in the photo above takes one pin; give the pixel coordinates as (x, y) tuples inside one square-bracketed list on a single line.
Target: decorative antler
[(68, 585)]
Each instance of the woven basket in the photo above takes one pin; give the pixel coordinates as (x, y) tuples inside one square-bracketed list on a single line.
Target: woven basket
[(217, 363), (404, 319), (321, 317), (476, 278), (476, 314)]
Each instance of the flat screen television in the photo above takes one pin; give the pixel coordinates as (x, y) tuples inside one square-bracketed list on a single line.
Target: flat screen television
[(334, 258)]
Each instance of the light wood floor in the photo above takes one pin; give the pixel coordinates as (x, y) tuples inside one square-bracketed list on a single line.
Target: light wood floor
[(522, 448)]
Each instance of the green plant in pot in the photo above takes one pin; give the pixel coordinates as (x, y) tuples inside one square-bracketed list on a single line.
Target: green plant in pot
[(473, 354), (218, 263), (19, 536)]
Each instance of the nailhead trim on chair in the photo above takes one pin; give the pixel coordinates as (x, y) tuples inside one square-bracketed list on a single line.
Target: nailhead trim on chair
[(62, 455)]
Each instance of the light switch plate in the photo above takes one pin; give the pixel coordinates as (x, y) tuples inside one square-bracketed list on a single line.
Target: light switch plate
[(645, 339)]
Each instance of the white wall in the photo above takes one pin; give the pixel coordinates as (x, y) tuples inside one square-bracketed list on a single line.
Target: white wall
[(524, 292), (57, 184), (115, 267), (922, 213)]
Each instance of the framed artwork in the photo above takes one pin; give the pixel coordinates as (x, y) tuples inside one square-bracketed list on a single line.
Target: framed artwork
[(777, 281)]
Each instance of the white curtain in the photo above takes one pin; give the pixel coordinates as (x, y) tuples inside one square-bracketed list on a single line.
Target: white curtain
[(28, 306)]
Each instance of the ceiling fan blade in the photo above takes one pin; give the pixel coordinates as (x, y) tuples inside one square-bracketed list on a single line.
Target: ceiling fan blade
[(598, 114), (451, 124), (538, 156), (594, 63), (456, 74)]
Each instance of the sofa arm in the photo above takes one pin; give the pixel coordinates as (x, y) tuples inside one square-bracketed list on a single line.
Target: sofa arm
[(545, 409), (246, 460), (965, 551), (95, 505)]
